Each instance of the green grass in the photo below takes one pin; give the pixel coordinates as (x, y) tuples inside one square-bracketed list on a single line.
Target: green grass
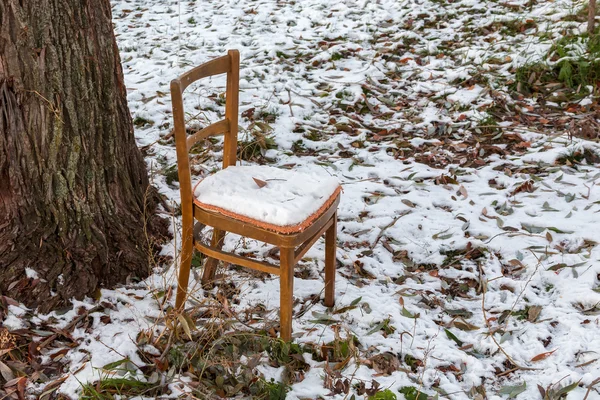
[(573, 61), (386, 394), (411, 393), (269, 390), (107, 388), (577, 156), (171, 174), (141, 121), (336, 57), (268, 116), (252, 149)]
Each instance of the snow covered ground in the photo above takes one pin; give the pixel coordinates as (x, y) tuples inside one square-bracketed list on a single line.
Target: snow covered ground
[(468, 266)]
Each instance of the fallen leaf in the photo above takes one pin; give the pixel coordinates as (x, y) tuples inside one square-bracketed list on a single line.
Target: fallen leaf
[(532, 228), (408, 314), (352, 306), (453, 337), (526, 186), (322, 318), (566, 389), (6, 372), (513, 391), (185, 326), (259, 183), (385, 363), (533, 313), (543, 356), (464, 325), (408, 203)]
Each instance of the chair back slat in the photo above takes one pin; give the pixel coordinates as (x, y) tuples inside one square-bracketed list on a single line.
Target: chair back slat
[(232, 110), (221, 127), (221, 65), (229, 64)]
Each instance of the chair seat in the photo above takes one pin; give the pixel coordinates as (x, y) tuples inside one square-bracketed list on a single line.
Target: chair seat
[(288, 203)]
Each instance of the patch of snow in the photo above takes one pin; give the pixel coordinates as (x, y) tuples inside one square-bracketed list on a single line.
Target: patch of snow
[(31, 273), (287, 197)]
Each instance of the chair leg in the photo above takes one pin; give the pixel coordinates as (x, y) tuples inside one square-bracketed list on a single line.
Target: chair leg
[(286, 283), (187, 250), (330, 250), (210, 265)]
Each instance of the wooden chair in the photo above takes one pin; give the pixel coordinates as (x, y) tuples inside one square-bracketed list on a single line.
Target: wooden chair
[(293, 240)]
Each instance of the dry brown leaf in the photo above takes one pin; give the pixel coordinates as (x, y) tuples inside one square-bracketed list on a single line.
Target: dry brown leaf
[(526, 186), (385, 363), (408, 203), (342, 364), (260, 183), (445, 180), (361, 271), (516, 263), (542, 356), (6, 372), (464, 325), (533, 313)]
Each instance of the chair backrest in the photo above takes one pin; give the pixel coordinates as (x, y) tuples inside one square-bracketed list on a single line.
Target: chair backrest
[(230, 65)]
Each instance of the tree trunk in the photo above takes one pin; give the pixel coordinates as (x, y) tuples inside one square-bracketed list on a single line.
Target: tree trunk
[(73, 183)]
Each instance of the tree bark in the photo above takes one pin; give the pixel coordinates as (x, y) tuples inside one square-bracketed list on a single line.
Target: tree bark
[(73, 184)]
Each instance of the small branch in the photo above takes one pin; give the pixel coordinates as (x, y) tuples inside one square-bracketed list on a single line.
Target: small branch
[(69, 327), (512, 309), (166, 137), (168, 345), (589, 188), (386, 227), (289, 102), (591, 25), (491, 332), (594, 383)]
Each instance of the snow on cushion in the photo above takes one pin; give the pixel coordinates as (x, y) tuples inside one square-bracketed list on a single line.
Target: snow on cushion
[(288, 202)]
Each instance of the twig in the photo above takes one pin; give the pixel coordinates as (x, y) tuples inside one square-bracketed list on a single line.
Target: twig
[(537, 266), (589, 188), (166, 137), (308, 98), (425, 358), (352, 378), (487, 323), (72, 325), (119, 353), (511, 235), (289, 102), (388, 226), (591, 25), (361, 180), (594, 383), (508, 371), (169, 343)]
